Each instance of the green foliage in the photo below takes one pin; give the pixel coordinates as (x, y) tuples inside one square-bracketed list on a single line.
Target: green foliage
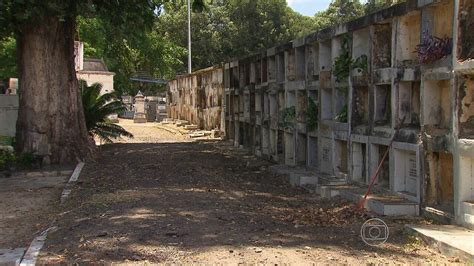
[(97, 108), (288, 116), (339, 11), (343, 62), (8, 58), (375, 5), (343, 115), (312, 115), (7, 158), (361, 62)]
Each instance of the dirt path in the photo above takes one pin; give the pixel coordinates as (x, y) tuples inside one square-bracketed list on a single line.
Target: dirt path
[(208, 203)]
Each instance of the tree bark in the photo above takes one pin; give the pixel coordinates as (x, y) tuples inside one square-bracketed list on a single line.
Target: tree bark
[(51, 120)]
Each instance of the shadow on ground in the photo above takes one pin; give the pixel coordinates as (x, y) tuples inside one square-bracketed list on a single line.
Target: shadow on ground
[(191, 202)]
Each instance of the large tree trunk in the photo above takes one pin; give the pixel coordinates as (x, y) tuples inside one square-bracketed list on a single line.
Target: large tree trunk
[(51, 120)]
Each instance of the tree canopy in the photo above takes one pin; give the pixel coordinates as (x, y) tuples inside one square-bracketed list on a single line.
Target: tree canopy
[(151, 39)]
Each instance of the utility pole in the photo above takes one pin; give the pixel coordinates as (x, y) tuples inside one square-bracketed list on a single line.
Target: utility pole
[(189, 37)]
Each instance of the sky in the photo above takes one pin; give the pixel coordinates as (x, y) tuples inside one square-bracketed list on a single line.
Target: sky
[(308, 7)]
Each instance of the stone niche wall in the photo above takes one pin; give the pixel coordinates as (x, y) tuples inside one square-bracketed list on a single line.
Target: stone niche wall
[(439, 190), (408, 37), (466, 32), (360, 106), (466, 107), (409, 103), (437, 104), (382, 46)]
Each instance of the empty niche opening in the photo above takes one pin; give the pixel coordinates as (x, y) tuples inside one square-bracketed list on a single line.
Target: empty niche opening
[(249, 140), (271, 68), (341, 112), (264, 70), (466, 107), (227, 78), (273, 104), (406, 172), (382, 105), (336, 48), (326, 156), (439, 19), (236, 104), (361, 50), (301, 149), (313, 152), (341, 157), (258, 72), (437, 104), (235, 78), (265, 141), (466, 34), (258, 105), (312, 61), (283, 103), (290, 64), (360, 106), (325, 62), (312, 111), (301, 106), (326, 104), (439, 190), (258, 138), (465, 191), (273, 144), (300, 63), (409, 34), (281, 67), (241, 134), (409, 103), (244, 74), (359, 163), (383, 179), (247, 102), (289, 148), (281, 146)]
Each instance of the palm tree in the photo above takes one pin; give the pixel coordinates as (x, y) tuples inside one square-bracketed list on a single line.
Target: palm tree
[(97, 109)]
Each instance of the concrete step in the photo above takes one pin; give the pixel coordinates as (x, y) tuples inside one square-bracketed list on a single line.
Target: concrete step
[(382, 204), (450, 240), (191, 127), (438, 215), (11, 256)]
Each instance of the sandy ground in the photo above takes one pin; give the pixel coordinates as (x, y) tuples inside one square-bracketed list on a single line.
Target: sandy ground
[(27, 206), (175, 201)]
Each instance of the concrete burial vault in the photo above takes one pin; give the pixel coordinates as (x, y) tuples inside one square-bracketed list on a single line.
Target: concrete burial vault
[(289, 105)]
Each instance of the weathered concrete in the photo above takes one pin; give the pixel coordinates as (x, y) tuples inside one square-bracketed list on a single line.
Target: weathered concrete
[(8, 114), (450, 240), (11, 257), (287, 105)]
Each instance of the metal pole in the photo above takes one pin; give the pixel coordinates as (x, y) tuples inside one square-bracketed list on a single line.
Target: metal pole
[(189, 37)]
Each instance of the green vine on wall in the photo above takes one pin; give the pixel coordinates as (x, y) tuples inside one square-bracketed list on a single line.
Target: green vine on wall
[(342, 116), (312, 115), (288, 116), (343, 62), (361, 62)]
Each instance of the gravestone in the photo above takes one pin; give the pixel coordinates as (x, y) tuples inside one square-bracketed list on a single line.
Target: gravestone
[(139, 116)]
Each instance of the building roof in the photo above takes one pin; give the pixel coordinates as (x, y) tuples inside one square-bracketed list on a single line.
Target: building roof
[(94, 64)]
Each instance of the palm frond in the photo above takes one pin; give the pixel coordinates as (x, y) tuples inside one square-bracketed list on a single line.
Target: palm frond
[(97, 108)]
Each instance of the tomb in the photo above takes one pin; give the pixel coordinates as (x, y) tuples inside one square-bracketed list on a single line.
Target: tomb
[(359, 162), (436, 105)]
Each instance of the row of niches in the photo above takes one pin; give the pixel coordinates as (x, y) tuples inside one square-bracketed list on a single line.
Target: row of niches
[(421, 37)]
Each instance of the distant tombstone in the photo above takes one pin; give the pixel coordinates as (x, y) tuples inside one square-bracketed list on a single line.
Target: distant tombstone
[(139, 116)]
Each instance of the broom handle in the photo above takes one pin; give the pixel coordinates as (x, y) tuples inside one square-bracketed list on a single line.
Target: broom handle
[(376, 174)]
